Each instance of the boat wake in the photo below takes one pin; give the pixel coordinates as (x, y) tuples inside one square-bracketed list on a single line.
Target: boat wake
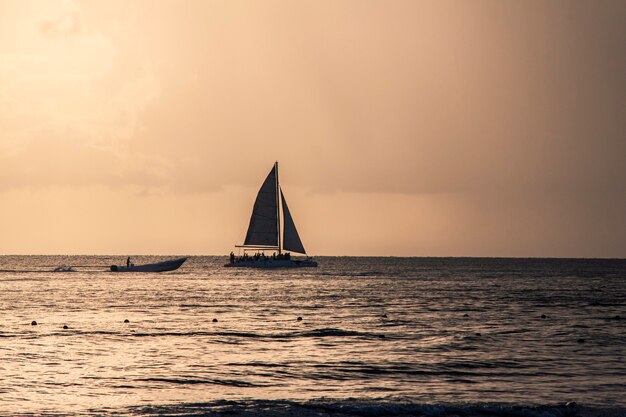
[(64, 269)]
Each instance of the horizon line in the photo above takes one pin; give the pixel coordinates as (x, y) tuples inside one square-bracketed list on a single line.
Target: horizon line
[(349, 256)]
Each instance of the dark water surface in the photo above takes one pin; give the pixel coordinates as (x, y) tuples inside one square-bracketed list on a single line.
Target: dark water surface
[(379, 336)]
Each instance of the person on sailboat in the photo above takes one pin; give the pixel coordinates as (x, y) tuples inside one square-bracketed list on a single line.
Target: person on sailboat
[(232, 257)]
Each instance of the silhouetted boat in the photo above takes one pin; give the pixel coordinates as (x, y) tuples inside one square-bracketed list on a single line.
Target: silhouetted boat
[(164, 266), (264, 231)]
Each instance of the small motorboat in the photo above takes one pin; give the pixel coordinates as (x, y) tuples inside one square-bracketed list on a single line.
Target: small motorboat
[(164, 266)]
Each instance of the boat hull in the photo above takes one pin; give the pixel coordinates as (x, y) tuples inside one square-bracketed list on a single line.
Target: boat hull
[(165, 266), (273, 263)]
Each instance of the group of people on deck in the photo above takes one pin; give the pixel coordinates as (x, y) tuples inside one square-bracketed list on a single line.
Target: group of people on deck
[(259, 256)]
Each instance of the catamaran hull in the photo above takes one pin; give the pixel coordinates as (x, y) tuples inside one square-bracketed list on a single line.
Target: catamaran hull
[(273, 263), (157, 267)]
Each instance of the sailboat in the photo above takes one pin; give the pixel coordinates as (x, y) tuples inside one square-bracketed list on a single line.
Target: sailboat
[(264, 231)]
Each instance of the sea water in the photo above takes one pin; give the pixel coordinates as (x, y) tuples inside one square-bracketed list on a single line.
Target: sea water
[(377, 336)]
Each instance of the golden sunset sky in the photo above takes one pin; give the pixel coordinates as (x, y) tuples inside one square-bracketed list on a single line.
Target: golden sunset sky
[(425, 128)]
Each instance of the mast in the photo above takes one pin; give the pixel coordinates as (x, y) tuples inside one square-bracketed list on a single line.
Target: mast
[(277, 207)]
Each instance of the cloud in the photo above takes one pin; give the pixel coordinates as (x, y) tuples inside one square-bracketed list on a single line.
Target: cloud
[(62, 158), (62, 120), (69, 22), (466, 99), (416, 98)]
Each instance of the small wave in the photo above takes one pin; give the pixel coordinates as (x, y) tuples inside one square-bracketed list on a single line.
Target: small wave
[(259, 364), (344, 370), (161, 334), (355, 274), (324, 332), (195, 381), (355, 407), (396, 322), (328, 332), (319, 333), (74, 332), (606, 304)]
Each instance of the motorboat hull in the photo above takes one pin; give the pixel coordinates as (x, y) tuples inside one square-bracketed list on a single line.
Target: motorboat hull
[(165, 266)]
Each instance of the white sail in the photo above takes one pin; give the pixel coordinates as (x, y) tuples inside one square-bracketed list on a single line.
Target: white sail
[(263, 228), (291, 239)]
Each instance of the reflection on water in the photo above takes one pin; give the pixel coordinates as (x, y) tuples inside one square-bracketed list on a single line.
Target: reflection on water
[(424, 330)]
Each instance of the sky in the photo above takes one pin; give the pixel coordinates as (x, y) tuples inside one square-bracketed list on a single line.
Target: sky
[(408, 128)]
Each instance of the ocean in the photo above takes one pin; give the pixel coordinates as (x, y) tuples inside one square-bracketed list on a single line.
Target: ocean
[(377, 336)]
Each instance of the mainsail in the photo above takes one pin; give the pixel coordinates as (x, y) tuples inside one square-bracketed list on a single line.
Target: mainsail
[(291, 239), (263, 229)]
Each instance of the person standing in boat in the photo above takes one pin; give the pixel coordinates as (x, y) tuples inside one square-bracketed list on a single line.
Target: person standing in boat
[(128, 262), (232, 257)]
